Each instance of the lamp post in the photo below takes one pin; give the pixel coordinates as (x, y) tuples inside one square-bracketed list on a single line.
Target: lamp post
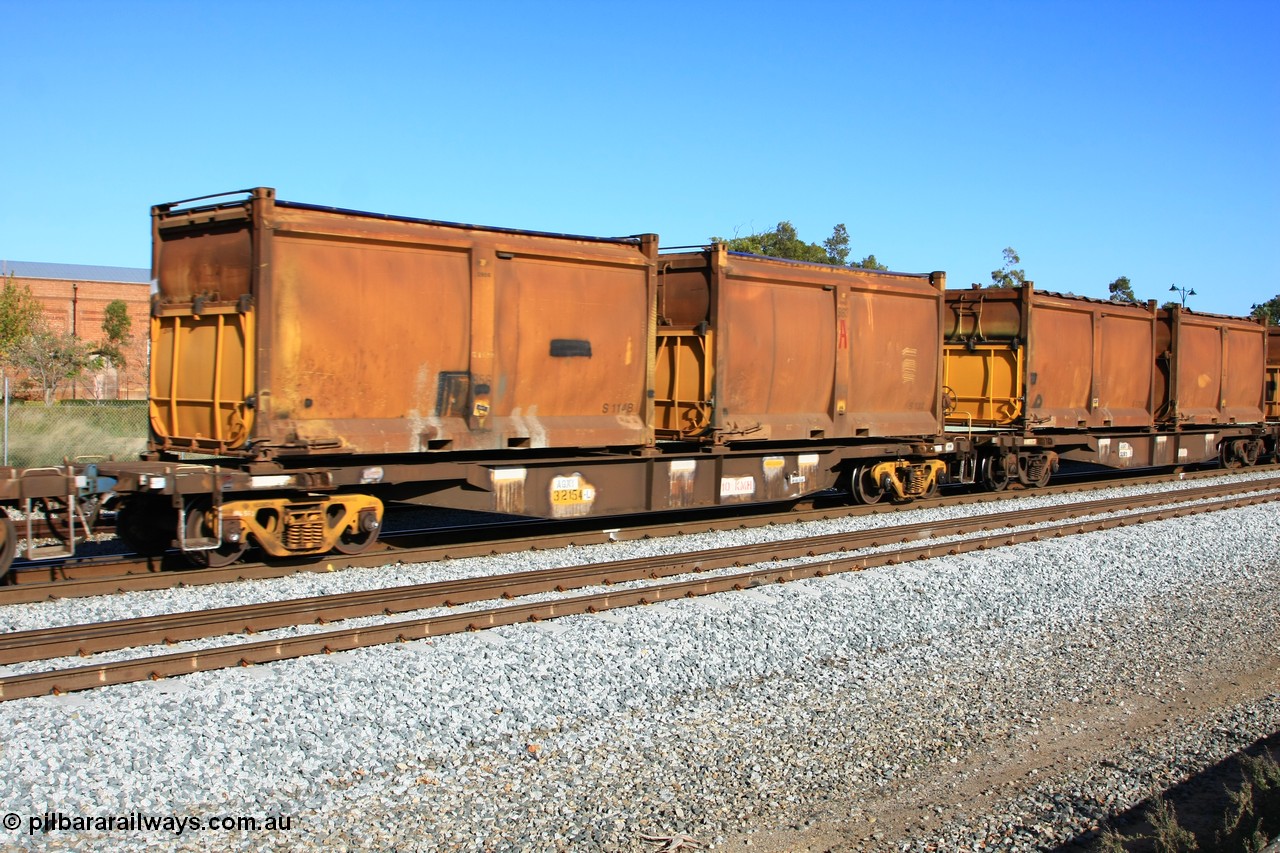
[(1185, 291)]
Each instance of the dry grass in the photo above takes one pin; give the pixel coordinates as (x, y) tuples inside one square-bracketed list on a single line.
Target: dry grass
[(1251, 819), (42, 435)]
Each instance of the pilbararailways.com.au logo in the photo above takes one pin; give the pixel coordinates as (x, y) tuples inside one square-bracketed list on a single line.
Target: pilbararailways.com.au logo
[(49, 822)]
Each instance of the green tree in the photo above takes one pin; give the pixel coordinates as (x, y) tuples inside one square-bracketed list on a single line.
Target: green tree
[(781, 242), (116, 326), (784, 242), (20, 311), (1268, 312), (869, 263), (19, 314), (837, 245), (1122, 291), (51, 358), (1009, 275), (110, 351)]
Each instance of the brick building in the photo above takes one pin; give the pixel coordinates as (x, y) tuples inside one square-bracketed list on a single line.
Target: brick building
[(75, 299)]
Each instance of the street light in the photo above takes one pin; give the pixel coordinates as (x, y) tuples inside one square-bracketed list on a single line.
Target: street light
[(1185, 291)]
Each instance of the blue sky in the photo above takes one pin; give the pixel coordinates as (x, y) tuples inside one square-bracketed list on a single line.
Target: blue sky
[(1098, 139)]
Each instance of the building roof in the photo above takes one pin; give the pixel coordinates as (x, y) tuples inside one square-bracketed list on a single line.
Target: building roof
[(75, 272)]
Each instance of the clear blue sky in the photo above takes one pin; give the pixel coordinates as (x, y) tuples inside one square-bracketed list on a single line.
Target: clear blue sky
[(1099, 139)]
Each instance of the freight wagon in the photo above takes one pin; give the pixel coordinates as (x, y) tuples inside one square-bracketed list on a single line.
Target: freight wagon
[(324, 361), (310, 364), (1034, 377)]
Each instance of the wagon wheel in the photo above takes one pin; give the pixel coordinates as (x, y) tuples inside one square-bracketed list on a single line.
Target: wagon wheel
[(865, 489), (1229, 455), (1252, 450), (202, 522), (146, 524), (56, 514), (8, 547), (359, 540), (994, 473), (934, 488)]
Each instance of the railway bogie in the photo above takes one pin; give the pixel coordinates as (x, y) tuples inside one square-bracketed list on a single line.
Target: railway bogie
[(1000, 466), (66, 497), (213, 513), (899, 480), (282, 526)]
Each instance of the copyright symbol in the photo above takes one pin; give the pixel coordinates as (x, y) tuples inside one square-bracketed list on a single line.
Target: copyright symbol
[(12, 821)]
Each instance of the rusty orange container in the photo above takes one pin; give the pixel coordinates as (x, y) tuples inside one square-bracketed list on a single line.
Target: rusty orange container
[(1211, 369), (754, 349), (1028, 359), (286, 328)]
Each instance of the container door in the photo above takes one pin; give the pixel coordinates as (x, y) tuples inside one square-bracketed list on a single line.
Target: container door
[(205, 403), (202, 329)]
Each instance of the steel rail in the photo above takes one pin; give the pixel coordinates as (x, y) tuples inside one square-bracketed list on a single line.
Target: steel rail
[(79, 678), (250, 619), (147, 575), (170, 628)]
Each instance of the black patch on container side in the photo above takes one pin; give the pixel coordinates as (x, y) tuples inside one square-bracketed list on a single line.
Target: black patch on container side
[(451, 396), (570, 348)]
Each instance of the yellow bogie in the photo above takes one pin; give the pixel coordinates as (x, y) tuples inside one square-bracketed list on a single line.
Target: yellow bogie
[(908, 480), (289, 527)]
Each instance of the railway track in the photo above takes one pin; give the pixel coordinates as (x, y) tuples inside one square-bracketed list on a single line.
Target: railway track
[(101, 575), (714, 570)]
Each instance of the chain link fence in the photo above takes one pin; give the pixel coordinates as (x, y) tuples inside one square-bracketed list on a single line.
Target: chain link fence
[(36, 435)]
